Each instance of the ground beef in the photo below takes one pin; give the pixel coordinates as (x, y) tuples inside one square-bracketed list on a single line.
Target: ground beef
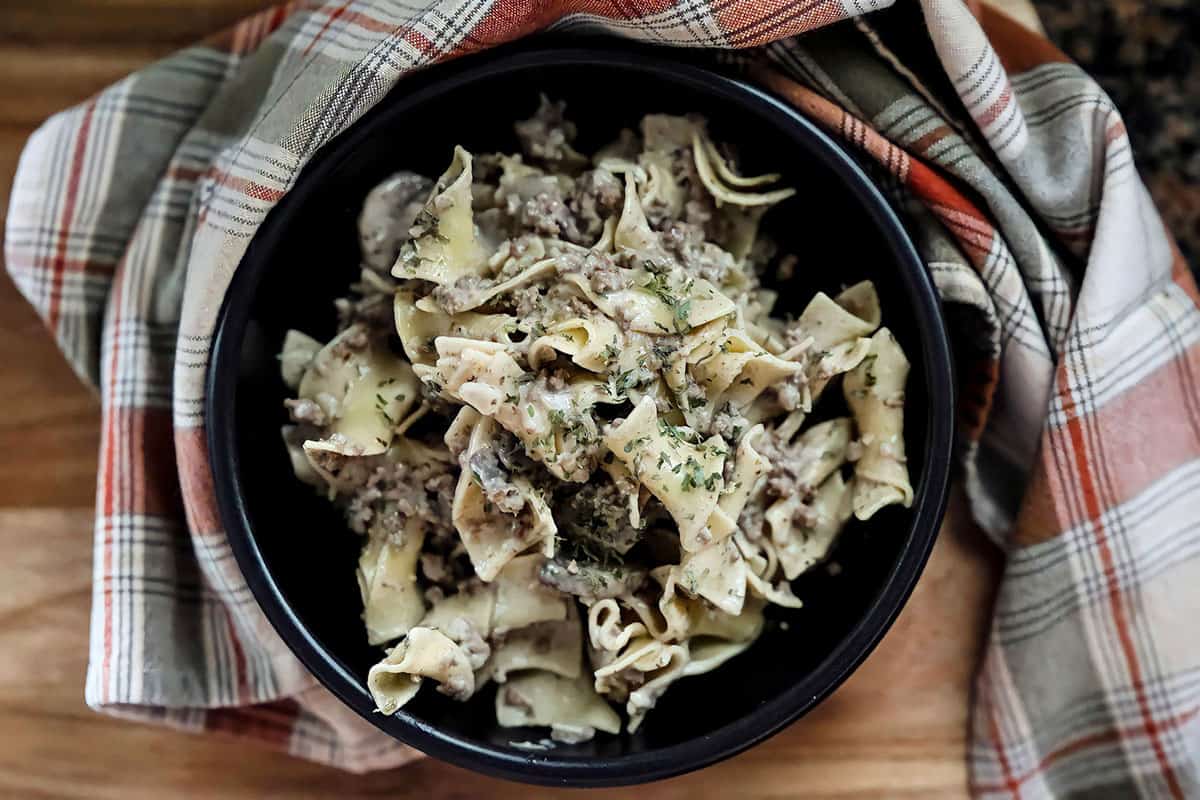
[(528, 302), (468, 639), (536, 307), (440, 484), (793, 393), (547, 137), (387, 214), (563, 302), (302, 410), (359, 514), (701, 259), (598, 195), (462, 295), (729, 424), (458, 685), (395, 492), (518, 254), (788, 463), (546, 214), (601, 272), (348, 471), (805, 517)]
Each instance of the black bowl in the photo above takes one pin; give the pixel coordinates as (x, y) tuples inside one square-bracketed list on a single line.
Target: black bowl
[(296, 552)]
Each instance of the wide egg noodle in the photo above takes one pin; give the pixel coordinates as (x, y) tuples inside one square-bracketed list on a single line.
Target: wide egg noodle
[(570, 707), (717, 572), (686, 478), (661, 190), (875, 393), (651, 306), (750, 468), (424, 653), (485, 376), (521, 599), (650, 665), (801, 547), (392, 602), (293, 439), (447, 248), (492, 537), (737, 370), (834, 333), (554, 646), (717, 637), (706, 158), (608, 630), (474, 603), (419, 321), (362, 389), (533, 273), (298, 351), (591, 342)]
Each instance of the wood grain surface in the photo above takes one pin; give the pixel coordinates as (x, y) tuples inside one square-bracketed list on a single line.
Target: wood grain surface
[(898, 728)]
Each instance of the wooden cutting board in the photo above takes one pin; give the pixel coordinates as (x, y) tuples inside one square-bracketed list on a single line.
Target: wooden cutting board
[(899, 726)]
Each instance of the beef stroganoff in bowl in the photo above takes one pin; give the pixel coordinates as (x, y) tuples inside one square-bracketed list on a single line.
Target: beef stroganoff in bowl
[(581, 448)]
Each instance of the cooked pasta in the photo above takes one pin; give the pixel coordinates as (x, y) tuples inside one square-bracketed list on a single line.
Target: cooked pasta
[(582, 454)]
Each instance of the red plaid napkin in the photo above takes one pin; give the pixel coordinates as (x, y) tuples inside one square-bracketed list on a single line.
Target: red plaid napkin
[(1075, 323)]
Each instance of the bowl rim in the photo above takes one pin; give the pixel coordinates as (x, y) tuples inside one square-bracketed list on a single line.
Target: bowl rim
[(545, 767)]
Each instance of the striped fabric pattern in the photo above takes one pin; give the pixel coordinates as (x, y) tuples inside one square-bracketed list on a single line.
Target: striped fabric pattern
[(1075, 324)]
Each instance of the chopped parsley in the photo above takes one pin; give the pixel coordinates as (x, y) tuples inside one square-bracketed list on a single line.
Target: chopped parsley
[(694, 477), (674, 435), (619, 383), (426, 224), (680, 308), (869, 370)]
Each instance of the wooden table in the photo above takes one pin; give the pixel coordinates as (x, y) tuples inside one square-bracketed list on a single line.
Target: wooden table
[(897, 728)]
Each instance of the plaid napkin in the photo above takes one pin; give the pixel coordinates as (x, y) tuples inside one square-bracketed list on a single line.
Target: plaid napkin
[(1074, 320)]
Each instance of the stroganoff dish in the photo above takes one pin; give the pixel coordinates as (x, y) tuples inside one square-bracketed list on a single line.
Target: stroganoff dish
[(578, 446)]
